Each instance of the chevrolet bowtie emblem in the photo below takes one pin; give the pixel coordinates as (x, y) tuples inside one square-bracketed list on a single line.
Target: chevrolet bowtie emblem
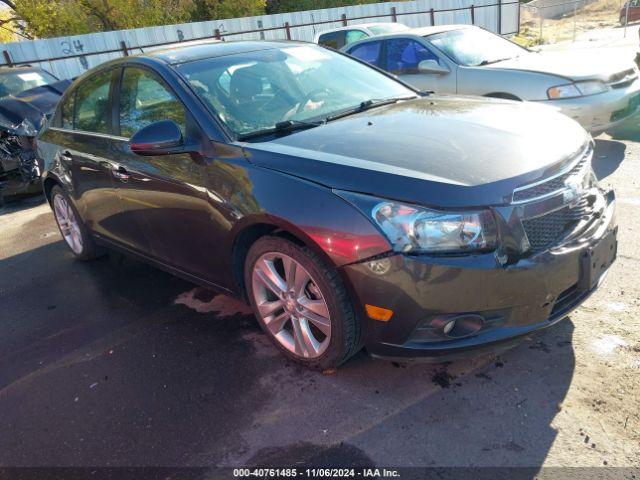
[(572, 191)]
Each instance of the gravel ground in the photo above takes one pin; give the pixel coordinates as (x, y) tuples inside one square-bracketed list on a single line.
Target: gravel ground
[(114, 363)]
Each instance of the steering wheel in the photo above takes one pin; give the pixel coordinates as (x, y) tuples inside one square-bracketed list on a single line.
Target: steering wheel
[(310, 96)]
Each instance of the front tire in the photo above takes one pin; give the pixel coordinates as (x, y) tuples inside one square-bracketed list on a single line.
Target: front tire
[(301, 303), (71, 226)]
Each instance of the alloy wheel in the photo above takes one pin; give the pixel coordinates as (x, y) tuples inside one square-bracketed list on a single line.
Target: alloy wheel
[(68, 223), (291, 305)]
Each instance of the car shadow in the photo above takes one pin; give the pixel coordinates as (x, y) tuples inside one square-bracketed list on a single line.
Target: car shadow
[(607, 157), (629, 130), (99, 355), (17, 203), (482, 412)]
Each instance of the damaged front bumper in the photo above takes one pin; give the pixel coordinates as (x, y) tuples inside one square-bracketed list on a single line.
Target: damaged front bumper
[(496, 304), (20, 169)]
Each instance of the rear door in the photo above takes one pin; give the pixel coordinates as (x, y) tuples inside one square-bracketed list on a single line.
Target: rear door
[(402, 57), (81, 141)]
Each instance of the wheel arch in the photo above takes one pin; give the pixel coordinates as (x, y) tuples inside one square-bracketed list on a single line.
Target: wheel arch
[(48, 183), (252, 229)]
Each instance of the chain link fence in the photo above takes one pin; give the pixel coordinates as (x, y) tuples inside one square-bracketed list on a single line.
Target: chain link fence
[(551, 21)]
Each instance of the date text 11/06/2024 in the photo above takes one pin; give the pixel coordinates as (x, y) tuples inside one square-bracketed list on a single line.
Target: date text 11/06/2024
[(316, 472)]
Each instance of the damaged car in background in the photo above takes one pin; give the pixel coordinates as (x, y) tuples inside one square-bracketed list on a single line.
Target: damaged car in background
[(27, 96)]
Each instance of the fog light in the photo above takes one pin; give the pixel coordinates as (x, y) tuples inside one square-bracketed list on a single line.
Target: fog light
[(448, 327), (458, 326)]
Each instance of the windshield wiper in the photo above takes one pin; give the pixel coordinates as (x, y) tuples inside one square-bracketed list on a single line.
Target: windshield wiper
[(489, 62), (286, 126), (367, 105)]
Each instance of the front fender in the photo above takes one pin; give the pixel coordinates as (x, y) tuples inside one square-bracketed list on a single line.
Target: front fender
[(526, 85), (314, 214)]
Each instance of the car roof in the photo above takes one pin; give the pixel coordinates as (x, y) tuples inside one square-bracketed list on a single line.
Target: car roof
[(7, 69), (419, 32), (424, 31), (202, 49), (355, 25)]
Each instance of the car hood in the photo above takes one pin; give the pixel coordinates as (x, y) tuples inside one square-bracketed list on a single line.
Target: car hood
[(436, 150), (23, 114), (572, 65)]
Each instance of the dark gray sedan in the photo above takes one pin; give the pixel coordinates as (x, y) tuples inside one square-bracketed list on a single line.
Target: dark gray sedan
[(345, 207)]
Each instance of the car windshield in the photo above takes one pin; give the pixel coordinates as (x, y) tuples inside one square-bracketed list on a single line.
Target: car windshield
[(14, 82), (258, 90), (387, 28), (474, 46)]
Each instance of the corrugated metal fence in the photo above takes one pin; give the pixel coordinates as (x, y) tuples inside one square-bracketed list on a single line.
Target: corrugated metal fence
[(67, 57)]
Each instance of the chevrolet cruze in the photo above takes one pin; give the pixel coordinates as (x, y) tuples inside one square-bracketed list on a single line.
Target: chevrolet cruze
[(348, 209)]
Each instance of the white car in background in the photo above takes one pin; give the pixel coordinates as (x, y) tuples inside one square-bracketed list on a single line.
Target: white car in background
[(340, 37), (598, 90)]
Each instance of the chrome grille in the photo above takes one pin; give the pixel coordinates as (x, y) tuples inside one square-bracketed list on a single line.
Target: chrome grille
[(554, 184), (548, 230)]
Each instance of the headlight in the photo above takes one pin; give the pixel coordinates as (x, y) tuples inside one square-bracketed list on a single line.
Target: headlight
[(418, 229), (591, 87), (578, 89)]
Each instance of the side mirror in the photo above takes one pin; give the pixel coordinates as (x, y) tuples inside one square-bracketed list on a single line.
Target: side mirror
[(159, 138), (431, 66)]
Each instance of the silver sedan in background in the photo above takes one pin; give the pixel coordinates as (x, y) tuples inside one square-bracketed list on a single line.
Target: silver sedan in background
[(596, 91)]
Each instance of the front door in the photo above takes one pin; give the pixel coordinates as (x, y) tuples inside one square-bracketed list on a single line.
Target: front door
[(165, 195), (402, 57)]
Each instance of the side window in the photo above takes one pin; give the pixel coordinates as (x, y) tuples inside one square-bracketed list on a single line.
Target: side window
[(333, 40), (66, 112), (368, 52), (354, 35), (404, 55), (144, 99), (92, 104)]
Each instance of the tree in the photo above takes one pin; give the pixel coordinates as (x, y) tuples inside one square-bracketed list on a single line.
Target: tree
[(282, 6), (217, 9), (7, 26), (51, 18)]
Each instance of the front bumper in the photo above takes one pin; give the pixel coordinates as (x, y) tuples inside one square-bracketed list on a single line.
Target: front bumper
[(597, 113), (514, 300)]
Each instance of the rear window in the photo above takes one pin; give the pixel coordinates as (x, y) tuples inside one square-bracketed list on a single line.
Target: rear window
[(92, 108), (15, 82), (353, 36), (333, 40)]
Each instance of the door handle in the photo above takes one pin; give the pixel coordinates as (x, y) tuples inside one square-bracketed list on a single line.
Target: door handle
[(120, 173)]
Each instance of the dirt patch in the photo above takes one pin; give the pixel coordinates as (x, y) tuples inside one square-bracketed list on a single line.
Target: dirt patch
[(597, 14)]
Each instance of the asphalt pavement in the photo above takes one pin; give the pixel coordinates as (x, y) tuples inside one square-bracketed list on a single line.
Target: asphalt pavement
[(115, 363)]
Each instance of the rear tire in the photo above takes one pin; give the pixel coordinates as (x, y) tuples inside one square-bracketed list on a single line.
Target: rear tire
[(283, 279), (71, 226)]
